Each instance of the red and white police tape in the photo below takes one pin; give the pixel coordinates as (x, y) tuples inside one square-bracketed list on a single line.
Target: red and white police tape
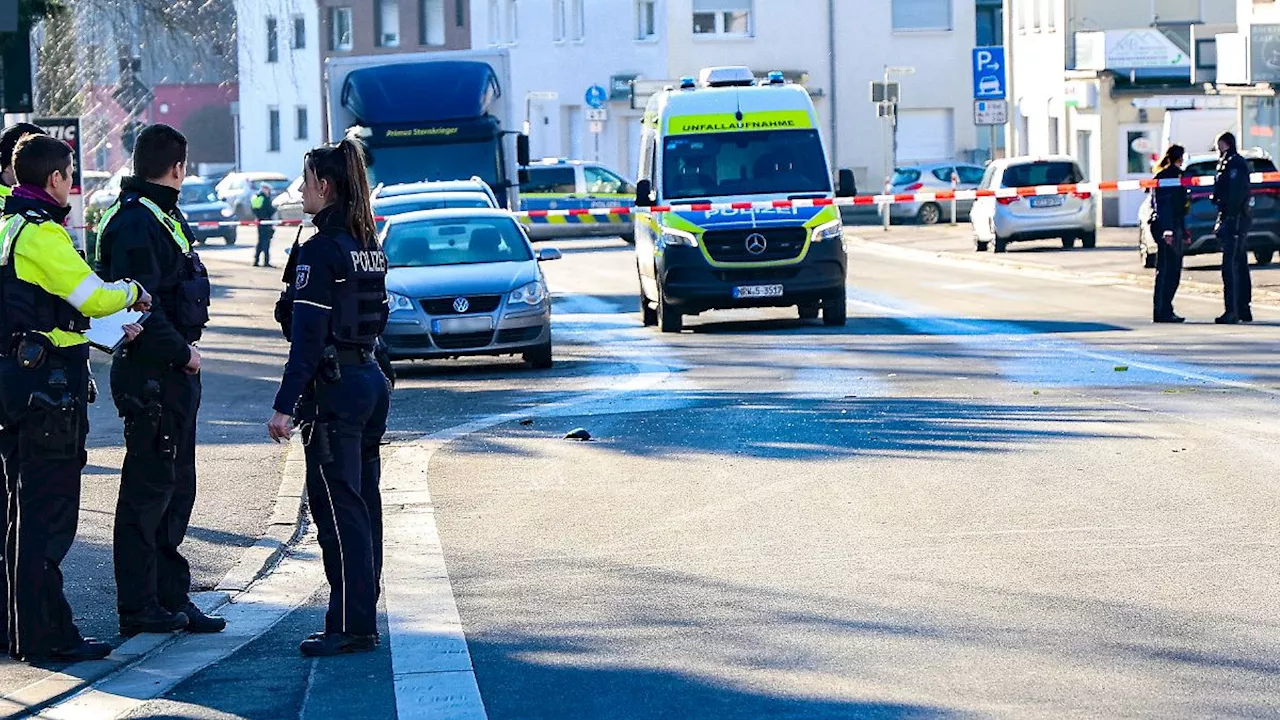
[(858, 201)]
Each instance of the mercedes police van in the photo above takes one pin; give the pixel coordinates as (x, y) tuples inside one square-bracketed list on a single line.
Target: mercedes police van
[(730, 139)]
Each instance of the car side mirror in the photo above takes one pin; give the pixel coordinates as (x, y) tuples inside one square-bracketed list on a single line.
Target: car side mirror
[(644, 193), (522, 177), (847, 185), (549, 254), (522, 149)]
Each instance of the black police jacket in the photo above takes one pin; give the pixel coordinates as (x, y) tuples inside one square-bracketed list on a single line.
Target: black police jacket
[(337, 297), (135, 245), (1231, 188), (1170, 205)]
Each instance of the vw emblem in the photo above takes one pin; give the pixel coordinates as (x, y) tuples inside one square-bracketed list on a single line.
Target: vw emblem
[(756, 243), (461, 305)]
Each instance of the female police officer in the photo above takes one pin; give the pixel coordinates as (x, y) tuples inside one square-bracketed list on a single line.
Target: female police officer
[(332, 313)]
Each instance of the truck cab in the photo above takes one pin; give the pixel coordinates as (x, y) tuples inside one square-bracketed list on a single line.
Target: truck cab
[(730, 139)]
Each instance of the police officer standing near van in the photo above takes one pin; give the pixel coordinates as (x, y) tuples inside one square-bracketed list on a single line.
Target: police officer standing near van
[(155, 383), (1231, 193), (47, 295), (333, 312)]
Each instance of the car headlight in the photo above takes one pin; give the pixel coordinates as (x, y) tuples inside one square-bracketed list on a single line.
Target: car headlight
[(532, 294), (832, 231), (399, 302), (671, 236), (228, 212)]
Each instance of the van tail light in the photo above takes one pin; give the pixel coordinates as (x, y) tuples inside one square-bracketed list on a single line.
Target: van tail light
[(1267, 191), (1082, 195), (1006, 200), (914, 187)]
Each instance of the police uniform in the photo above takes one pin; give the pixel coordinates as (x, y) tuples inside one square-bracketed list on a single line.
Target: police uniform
[(333, 312), (145, 237), (1170, 205), (47, 295), (1231, 193), (264, 210)]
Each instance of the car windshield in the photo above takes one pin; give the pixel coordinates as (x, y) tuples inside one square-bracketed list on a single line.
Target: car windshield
[(1040, 173), (413, 164), (905, 176), (455, 241), (197, 193), (403, 204), (1201, 169), (744, 163)]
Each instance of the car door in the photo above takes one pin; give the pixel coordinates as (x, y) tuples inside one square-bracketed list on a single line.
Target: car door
[(970, 178)]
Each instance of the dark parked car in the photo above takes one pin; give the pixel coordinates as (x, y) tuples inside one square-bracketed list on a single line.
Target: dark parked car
[(199, 202), (1264, 233)]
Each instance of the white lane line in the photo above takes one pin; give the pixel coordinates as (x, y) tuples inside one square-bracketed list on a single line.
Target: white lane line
[(252, 614)]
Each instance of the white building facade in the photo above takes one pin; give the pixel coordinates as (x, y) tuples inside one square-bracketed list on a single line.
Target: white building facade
[(561, 48), (280, 114)]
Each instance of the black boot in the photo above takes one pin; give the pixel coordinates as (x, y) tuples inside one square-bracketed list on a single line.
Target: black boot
[(198, 622), (86, 649), (1227, 319), (329, 644), (377, 637), (153, 619)]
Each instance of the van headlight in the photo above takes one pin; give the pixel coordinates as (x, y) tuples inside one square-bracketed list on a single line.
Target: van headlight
[(398, 302), (671, 236), (829, 232), (533, 293), (227, 212)]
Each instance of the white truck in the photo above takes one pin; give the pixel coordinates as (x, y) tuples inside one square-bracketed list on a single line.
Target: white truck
[(430, 116)]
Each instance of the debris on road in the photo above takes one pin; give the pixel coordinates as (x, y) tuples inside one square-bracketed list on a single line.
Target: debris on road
[(579, 434)]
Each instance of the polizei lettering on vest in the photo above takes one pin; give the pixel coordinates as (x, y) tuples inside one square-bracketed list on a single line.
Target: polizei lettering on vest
[(369, 260)]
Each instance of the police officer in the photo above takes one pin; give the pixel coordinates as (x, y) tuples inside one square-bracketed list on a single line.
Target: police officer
[(8, 141), (1168, 226), (264, 210), (156, 387), (47, 295), (1231, 193), (334, 312)]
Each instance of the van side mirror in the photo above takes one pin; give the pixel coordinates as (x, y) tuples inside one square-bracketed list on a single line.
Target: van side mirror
[(847, 186), (644, 193), (522, 149), (522, 176)]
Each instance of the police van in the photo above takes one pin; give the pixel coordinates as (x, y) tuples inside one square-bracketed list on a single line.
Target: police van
[(561, 184), (727, 138)]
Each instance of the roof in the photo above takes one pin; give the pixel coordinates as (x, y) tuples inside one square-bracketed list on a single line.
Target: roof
[(1029, 159), (445, 196), (436, 92), (260, 175), (447, 213), (473, 185), (713, 101)]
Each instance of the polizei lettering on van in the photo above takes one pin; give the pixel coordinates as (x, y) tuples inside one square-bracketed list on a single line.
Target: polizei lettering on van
[(759, 121)]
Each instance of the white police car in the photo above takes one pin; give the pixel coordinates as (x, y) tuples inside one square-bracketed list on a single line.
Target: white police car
[(559, 184)]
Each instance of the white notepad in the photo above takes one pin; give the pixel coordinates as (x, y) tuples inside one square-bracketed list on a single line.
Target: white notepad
[(107, 333)]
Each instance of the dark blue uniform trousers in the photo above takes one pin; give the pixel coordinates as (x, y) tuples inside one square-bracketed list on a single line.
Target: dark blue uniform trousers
[(1237, 286), (344, 470)]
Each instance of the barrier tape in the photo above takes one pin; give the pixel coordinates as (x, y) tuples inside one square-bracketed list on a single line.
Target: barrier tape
[(608, 214)]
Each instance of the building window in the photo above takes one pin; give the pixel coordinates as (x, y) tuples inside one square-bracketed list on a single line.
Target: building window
[(990, 21), (913, 15), (340, 29), (432, 21), (511, 28), (578, 27), (722, 17), (299, 32), (559, 19), (388, 17), (300, 117), (1048, 16), (646, 19), (495, 23), (460, 13), (273, 41), (273, 129)]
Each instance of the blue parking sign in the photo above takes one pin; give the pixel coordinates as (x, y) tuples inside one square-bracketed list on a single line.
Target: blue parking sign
[(595, 97), (988, 73)]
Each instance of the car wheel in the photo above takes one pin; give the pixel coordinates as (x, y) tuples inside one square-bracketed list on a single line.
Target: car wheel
[(540, 358), (1263, 257), (230, 239), (835, 312), (1068, 243), (1089, 240), (648, 313), (980, 245), (929, 214), (629, 239), (1001, 245), (669, 318), (809, 311)]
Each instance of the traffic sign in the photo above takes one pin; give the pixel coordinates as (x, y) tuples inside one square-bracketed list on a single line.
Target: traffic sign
[(596, 128), (597, 114), (989, 74), (990, 112), (596, 96)]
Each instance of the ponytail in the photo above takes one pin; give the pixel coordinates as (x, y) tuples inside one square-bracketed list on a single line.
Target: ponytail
[(344, 166), (1172, 156)]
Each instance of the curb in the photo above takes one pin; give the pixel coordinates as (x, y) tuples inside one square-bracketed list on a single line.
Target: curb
[(947, 256), (284, 527)]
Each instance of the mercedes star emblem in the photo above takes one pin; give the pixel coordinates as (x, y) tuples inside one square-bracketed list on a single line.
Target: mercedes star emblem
[(461, 305), (756, 243)]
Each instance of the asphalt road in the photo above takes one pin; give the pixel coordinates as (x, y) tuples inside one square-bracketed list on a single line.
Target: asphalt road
[(1000, 491)]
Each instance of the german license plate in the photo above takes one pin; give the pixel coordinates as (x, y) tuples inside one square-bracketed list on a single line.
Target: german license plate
[(1046, 201), (459, 326), (757, 291)]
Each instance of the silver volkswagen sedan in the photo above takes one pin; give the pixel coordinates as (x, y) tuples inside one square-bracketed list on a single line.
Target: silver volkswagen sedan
[(465, 282)]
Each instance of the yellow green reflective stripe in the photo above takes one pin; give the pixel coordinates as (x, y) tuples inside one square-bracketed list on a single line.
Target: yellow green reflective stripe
[(9, 232), (728, 122), (174, 227)]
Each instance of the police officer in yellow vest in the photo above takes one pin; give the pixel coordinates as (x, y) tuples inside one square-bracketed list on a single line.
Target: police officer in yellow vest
[(8, 141), (155, 384), (47, 295)]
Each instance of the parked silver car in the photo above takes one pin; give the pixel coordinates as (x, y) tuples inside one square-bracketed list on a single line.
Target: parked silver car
[(238, 188), (1064, 216), (418, 188), (934, 177), (289, 203), (385, 207), (465, 282)]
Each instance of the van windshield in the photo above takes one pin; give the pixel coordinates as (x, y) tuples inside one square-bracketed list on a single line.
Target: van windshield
[(771, 162)]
